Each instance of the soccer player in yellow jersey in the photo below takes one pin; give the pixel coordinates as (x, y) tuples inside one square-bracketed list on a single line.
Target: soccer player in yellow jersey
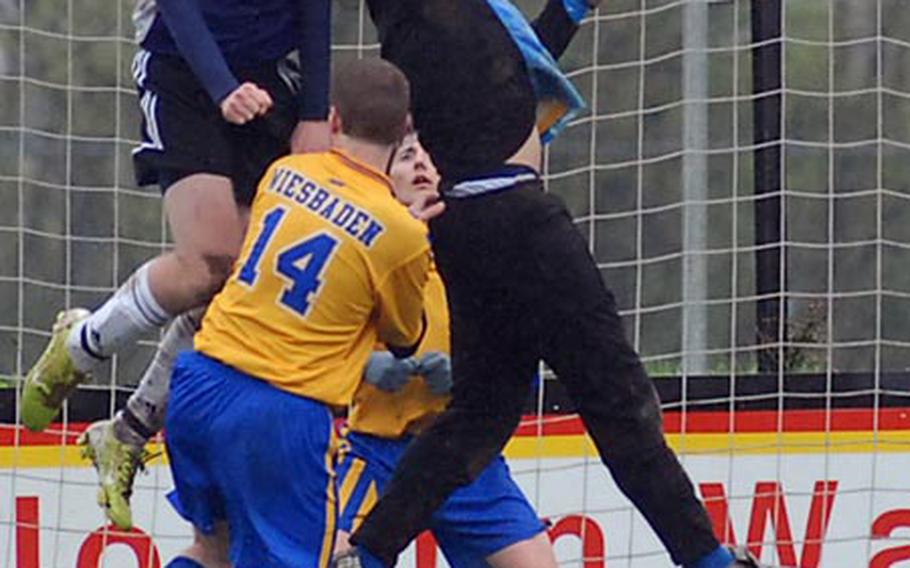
[(331, 264), (488, 523)]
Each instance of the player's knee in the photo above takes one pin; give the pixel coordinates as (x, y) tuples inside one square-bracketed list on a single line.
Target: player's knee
[(622, 432), (645, 427), (218, 267), (648, 413), (487, 434), (206, 272)]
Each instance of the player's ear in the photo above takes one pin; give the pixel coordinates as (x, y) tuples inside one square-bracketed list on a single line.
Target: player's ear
[(334, 121)]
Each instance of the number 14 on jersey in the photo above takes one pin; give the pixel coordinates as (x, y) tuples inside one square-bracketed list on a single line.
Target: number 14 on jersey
[(301, 264)]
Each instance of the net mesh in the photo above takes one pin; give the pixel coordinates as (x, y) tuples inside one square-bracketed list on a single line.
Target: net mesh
[(659, 175)]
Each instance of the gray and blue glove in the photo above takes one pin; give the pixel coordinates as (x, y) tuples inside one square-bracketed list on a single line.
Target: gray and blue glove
[(436, 369), (387, 372)]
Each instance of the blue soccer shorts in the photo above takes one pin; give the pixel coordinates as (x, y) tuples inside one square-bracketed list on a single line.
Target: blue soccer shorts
[(260, 458), (476, 521)]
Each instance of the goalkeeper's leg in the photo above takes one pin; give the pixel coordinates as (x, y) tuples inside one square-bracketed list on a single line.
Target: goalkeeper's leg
[(584, 343), (494, 359), (487, 524), (208, 229), (117, 446)]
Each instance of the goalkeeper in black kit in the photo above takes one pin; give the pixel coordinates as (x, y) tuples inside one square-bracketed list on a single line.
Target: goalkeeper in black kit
[(522, 285)]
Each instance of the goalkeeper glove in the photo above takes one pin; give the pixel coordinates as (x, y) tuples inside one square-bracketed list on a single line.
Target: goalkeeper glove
[(578, 9), (436, 369), (388, 373)]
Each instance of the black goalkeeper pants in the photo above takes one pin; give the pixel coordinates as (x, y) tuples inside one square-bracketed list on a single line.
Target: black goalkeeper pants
[(523, 287)]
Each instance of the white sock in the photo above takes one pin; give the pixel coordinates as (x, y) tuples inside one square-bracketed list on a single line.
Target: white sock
[(146, 407), (126, 316)]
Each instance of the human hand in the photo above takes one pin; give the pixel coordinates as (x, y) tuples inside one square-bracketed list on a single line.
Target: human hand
[(245, 103), (387, 372), (436, 369), (427, 205)]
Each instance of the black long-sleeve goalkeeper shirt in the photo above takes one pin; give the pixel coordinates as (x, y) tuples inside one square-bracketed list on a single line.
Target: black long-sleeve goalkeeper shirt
[(472, 98)]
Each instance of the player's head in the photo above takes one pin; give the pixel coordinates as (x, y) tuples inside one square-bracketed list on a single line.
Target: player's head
[(370, 102), (412, 171)]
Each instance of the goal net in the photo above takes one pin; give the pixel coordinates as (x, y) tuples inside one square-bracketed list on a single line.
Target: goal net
[(743, 180)]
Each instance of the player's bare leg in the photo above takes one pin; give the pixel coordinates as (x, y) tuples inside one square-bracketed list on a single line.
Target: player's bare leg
[(536, 552), (118, 448), (342, 543), (207, 551), (208, 227)]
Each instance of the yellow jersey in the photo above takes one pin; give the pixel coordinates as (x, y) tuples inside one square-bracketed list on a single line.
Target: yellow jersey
[(330, 265), (392, 414)]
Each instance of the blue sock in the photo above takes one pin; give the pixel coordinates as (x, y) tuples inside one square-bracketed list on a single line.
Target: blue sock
[(183, 562), (720, 558), (367, 560)]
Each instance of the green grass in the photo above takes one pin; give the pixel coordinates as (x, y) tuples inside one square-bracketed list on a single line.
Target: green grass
[(719, 365), (797, 360)]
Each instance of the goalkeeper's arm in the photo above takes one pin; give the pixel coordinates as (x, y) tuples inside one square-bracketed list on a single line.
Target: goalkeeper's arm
[(558, 22)]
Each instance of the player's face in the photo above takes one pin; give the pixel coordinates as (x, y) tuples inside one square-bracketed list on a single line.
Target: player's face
[(412, 171)]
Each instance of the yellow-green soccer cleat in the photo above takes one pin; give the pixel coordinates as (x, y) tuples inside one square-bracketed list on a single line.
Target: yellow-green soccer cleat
[(53, 377), (116, 463)]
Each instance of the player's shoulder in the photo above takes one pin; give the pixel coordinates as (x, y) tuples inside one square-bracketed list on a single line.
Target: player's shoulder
[(409, 234), (350, 195), (387, 207), (372, 190)]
